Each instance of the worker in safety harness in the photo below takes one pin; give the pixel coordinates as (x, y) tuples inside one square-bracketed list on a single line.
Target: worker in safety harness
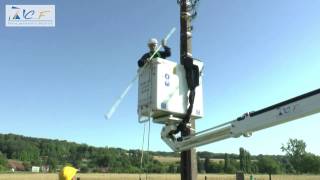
[(153, 45)]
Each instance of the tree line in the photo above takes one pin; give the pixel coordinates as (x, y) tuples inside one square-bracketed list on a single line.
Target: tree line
[(56, 153), (296, 161)]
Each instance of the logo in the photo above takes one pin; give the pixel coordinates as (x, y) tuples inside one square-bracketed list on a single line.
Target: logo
[(30, 15)]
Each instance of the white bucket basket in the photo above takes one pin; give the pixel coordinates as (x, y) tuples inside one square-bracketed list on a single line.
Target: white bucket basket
[(163, 91)]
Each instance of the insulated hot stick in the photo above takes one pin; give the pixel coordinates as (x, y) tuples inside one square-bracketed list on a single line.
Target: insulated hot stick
[(114, 107)]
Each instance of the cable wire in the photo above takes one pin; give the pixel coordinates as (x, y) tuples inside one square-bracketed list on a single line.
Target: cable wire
[(142, 146), (148, 147)]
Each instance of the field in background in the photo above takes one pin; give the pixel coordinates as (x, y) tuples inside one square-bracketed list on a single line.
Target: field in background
[(150, 177), (168, 159)]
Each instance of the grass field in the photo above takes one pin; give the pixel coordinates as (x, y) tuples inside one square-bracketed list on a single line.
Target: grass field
[(150, 177)]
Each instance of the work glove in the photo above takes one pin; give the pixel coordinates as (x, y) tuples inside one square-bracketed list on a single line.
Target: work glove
[(164, 42)]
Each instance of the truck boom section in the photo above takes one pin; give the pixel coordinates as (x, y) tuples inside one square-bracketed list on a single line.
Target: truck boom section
[(292, 109)]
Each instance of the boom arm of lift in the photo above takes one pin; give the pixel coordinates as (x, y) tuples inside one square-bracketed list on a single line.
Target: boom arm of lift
[(292, 109)]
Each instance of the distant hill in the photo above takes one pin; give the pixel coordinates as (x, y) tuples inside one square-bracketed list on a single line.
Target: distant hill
[(32, 151), (24, 152)]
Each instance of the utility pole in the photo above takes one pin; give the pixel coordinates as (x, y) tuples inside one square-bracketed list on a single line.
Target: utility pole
[(188, 161)]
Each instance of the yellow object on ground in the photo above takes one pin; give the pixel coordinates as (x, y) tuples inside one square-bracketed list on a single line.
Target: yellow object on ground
[(67, 173)]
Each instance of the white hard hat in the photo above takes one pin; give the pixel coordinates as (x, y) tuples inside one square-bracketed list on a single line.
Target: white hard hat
[(153, 41)]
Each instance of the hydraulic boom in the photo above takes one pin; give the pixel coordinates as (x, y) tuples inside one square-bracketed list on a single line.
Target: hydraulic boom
[(289, 110)]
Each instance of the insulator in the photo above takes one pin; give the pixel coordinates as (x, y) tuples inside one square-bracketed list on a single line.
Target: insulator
[(189, 34)]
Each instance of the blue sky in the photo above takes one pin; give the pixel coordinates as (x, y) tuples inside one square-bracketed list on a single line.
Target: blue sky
[(58, 82)]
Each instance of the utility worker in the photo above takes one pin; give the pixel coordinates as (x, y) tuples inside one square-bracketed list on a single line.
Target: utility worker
[(68, 173), (153, 45)]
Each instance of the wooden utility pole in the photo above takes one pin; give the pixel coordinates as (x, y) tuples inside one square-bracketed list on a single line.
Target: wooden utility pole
[(188, 162)]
